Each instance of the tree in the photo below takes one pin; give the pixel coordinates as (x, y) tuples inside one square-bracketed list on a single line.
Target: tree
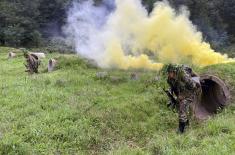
[(25, 22), (33, 22), (18, 25)]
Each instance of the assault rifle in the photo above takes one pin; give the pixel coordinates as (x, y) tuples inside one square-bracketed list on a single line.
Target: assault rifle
[(174, 104)]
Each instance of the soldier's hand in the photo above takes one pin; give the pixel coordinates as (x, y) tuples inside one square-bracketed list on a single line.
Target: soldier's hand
[(180, 97), (198, 85), (170, 105)]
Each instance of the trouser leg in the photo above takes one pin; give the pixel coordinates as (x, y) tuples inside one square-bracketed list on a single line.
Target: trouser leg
[(184, 114), (183, 111)]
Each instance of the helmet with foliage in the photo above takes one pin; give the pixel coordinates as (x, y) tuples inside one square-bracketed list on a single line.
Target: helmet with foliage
[(25, 52), (172, 68)]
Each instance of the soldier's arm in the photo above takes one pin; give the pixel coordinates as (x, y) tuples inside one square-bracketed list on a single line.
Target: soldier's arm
[(194, 74), (171, 89), (189, 82)]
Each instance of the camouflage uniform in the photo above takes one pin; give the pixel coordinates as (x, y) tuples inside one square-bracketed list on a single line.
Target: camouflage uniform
[(32, 63), (186, 90)]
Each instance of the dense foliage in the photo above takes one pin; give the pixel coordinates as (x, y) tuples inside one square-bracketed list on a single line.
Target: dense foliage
[(28, 22), (32, 22)]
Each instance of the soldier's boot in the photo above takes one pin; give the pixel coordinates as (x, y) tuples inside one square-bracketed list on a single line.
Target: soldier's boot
[(182, 126)]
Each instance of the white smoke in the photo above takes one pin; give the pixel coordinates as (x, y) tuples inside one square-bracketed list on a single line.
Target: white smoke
[(84, 25), (118, 33)]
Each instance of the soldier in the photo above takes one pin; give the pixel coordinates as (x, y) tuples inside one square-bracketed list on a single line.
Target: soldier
[(32, 63), (185, 89)]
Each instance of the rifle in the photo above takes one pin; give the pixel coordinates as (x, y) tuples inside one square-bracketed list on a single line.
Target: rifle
[(173, 101)]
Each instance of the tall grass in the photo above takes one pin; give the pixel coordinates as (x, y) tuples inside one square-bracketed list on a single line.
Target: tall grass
[(70, 111)]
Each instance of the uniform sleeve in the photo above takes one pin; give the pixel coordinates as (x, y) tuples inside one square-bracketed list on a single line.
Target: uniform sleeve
[(189, 83), (172, 88), (170, 84), (194, 74)]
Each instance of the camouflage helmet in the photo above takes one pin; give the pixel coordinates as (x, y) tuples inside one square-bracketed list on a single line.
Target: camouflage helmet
[(25, 52), (172, 68)]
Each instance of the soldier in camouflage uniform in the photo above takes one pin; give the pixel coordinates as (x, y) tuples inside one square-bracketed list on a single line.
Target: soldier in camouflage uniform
[(32, 63), (185, 89)]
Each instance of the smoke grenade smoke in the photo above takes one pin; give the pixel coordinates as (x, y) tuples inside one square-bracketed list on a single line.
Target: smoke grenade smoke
[(121, 34)]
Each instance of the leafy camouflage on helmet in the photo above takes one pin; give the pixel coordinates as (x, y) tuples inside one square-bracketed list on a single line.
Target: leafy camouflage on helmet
[(25, 52), (174, 68)]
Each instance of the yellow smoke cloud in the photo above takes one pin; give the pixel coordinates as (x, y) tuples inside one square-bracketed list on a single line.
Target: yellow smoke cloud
[(134, 39)]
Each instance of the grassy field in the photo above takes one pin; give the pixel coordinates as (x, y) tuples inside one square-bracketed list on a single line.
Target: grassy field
[(70, 111)]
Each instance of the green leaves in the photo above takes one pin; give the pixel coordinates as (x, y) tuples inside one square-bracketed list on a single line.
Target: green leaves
[(23, 22)]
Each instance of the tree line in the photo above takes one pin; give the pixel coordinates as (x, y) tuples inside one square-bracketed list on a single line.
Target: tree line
[(30, 23)]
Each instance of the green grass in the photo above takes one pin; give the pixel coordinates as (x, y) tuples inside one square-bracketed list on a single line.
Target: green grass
[(70, 111)]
